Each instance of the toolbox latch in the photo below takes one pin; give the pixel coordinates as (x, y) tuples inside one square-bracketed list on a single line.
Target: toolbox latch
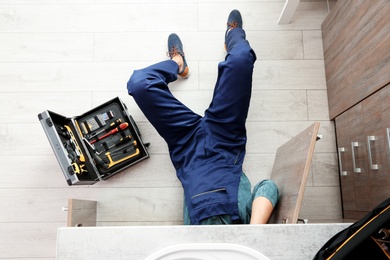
[(49, 122)]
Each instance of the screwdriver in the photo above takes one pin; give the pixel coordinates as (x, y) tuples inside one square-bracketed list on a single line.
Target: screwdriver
[(113, 131), (111, 126)]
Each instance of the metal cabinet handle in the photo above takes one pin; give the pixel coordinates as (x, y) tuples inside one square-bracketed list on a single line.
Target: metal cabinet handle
[(353, 145), (388, 137), (342, 173), (371, 138)]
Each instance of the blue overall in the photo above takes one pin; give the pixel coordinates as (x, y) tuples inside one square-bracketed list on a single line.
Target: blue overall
[(207, 152)]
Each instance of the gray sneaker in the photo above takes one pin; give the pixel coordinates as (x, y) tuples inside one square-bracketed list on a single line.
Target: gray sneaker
[(175, 46), (234, 21)]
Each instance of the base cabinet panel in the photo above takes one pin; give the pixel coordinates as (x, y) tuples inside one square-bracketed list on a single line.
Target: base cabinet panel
[(364, 154)]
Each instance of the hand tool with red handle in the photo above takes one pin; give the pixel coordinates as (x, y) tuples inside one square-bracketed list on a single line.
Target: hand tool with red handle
[(111, 126), (121, 127)]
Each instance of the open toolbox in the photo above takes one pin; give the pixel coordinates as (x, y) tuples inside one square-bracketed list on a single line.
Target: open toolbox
[(95, 145)]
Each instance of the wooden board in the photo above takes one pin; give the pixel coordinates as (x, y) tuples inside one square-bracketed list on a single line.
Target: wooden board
[(290, 172), (81, 213)]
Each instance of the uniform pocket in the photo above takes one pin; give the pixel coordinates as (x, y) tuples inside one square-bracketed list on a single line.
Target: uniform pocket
[(216, 196)]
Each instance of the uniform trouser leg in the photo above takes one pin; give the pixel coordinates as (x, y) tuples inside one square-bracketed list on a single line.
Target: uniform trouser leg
[(226, 116), (149, 88)]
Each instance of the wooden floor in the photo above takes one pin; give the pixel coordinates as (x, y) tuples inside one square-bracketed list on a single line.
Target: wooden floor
[(70, 56)]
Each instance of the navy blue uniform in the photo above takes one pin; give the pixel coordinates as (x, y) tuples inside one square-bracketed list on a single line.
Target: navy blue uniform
[(207, 151)]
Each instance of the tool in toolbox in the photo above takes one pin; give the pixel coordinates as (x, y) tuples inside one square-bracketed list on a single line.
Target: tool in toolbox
[(121, 127), (73, 140), (96, 122), (74, 152), (121, 141), (133, 148), (79, 168), (111, 126)]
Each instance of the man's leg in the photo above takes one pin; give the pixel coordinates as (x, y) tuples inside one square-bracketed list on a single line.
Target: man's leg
[(149, 88), (226, 116), (233, 89)]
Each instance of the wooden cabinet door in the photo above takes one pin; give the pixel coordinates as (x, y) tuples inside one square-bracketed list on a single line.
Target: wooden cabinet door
[(345, 163), (375, 134), (385, 123), (359, 158), (385, 109)]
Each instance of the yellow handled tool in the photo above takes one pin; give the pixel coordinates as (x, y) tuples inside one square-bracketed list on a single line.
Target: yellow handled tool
[(79, 168), (73, 140), (112, 162)]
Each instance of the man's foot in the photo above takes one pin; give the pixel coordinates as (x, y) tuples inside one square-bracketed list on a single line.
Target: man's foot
[(176, 53), (234, 21)]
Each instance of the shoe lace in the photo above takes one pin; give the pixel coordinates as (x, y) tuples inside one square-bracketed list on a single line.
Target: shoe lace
[(232, 24), (173, 52)]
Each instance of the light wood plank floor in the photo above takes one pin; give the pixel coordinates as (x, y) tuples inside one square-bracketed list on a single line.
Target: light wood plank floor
[(70, 56)]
